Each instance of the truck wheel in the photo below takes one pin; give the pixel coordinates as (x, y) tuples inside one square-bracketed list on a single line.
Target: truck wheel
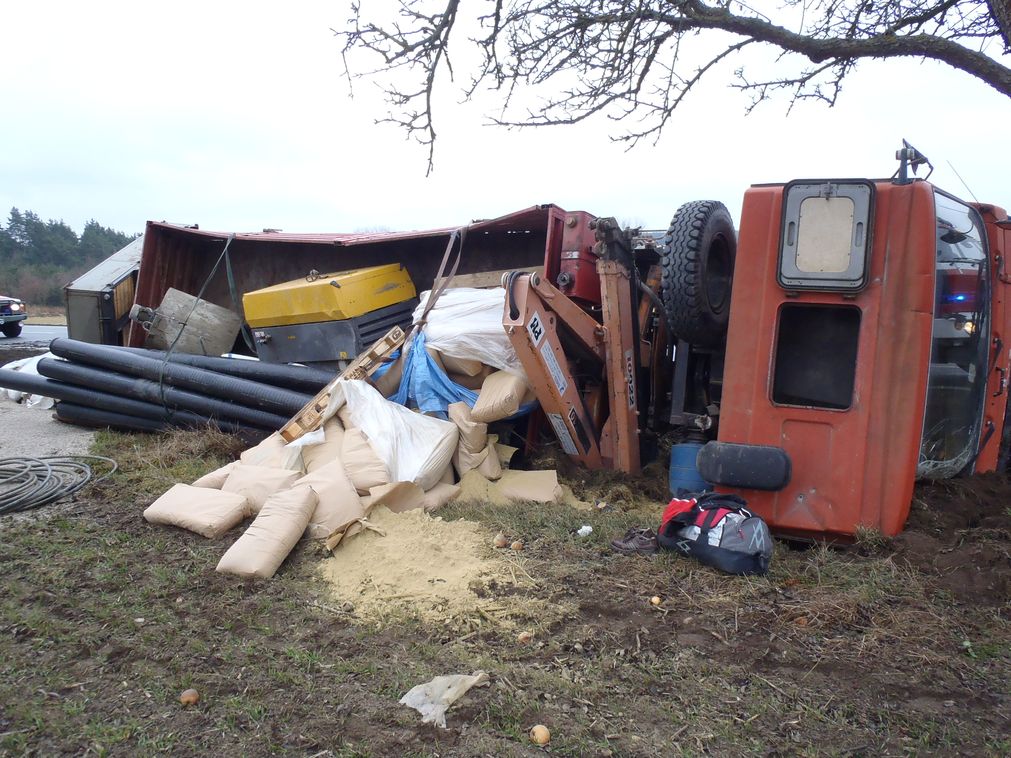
[(11, 330), (698, 269)]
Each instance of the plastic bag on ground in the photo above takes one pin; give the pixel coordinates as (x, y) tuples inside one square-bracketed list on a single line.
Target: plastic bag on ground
[(266, 543), (28, 366), (415, 448), (432, 699)]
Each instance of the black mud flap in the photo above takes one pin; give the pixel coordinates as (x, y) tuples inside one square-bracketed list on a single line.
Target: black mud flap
[(754, 467)]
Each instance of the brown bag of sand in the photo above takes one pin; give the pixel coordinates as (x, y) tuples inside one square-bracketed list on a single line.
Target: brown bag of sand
[(266, 543)]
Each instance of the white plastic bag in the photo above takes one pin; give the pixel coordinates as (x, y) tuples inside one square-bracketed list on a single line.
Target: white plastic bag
[(28, 366), (415, 448), (432, 699), (466, 323)]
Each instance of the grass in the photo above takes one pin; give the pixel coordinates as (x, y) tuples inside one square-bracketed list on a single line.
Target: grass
[(46, 314), (150, 464), (55, 320), (724, 665)]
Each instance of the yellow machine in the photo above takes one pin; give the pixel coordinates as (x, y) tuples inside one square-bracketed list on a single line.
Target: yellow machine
[(328, 297), (327, 318)]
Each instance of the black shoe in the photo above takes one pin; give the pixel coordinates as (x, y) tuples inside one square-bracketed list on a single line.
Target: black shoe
[(636, 540)]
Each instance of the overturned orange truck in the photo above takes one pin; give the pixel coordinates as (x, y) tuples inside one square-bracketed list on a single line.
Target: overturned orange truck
[(852, 340)]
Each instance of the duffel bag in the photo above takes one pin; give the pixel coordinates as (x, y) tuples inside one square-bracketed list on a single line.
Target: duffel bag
[(719, 531)]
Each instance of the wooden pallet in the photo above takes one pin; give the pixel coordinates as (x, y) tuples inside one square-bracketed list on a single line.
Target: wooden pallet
[(311, 416)]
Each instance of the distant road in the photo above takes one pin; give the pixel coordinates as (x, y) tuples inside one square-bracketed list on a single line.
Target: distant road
[(33, 334)]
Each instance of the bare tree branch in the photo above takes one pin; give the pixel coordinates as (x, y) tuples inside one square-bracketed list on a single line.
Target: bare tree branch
[(636, 60)]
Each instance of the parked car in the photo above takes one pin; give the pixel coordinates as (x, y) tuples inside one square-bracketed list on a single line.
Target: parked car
[(12, 313)]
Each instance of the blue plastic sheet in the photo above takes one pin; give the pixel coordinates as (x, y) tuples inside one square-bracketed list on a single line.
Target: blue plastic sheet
[(429, 388)]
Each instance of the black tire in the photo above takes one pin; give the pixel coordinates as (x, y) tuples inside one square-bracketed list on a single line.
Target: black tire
[(698, 270), (12, 329)]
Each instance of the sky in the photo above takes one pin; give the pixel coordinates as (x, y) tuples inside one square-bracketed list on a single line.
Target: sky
[(237, 116)]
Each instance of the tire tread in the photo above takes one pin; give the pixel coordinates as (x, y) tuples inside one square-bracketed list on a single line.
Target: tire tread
[(682, 265)]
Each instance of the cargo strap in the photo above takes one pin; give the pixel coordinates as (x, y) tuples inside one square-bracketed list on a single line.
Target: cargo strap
[(171, 348), (441, 282)]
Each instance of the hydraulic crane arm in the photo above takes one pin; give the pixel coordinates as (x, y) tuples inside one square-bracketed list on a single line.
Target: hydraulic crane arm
[(548, 330)]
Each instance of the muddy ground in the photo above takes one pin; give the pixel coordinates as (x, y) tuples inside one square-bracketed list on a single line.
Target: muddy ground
[(888, 647)]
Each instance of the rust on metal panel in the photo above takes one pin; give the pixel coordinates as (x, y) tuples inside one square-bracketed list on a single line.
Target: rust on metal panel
[(182, 257), (622, 361)]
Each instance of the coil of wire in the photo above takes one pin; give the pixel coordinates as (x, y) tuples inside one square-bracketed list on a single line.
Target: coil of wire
[(27, 483)]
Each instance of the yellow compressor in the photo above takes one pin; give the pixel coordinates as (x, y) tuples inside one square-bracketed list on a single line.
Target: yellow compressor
[(327, 318)]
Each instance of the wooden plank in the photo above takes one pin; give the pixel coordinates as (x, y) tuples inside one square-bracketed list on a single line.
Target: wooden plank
[(485, 279), (310, 417)]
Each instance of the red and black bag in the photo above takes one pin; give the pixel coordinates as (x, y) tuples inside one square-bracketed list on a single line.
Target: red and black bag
[(719, 531)]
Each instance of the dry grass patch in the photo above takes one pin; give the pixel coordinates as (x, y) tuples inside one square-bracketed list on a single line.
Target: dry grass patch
[(151, 463)]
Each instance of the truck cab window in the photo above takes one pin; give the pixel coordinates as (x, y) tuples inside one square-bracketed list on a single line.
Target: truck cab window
[(956, 385)]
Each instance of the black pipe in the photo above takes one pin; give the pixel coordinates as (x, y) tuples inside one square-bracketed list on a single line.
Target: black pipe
[(148, 391), (84, 416), (298, 378), (248, 393), (81, 415), (39, 385)]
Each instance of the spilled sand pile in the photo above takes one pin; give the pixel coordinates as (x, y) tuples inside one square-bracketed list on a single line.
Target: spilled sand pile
[(418, 563), (536, 486)]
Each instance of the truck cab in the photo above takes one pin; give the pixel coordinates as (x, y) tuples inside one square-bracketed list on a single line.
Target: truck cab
[(866, 349)]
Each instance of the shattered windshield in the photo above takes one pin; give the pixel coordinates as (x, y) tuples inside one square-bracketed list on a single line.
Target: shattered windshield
[(956, 385)]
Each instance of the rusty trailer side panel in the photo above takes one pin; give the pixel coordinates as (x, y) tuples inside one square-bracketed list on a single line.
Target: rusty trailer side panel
[(183, 257)]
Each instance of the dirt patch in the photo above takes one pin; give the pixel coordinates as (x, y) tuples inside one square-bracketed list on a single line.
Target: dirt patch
[(944, 509), (606, 486), (959, 536), (10, 354)]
